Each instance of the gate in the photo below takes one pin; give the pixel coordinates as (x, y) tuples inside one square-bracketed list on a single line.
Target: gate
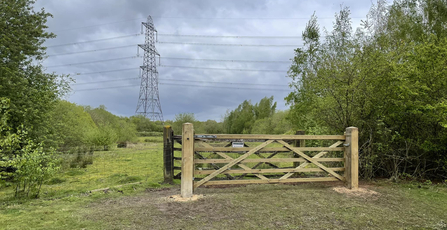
[(212, 159)]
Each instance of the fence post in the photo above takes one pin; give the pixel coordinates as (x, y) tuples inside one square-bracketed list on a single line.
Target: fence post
[(168, 157), (187, 182), (352, 158), (298, 143)]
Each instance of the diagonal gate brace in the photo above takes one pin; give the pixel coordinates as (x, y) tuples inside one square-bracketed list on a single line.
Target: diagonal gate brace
[(232, 163)]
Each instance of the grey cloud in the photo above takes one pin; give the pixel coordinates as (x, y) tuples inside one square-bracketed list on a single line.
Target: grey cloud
[(180, 17)]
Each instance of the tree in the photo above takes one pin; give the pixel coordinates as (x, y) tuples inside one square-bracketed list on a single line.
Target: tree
[(212, 127), (23, 162), (265, 108), (73, 125), (123, 128), (182, 118), (32, 92), (28, 96), (387, 78), (241, 119), (249, 118)]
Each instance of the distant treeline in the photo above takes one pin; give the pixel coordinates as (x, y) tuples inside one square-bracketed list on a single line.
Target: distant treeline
[(260, 118)]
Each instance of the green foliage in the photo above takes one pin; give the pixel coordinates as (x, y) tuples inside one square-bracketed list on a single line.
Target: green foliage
[(265, 108), (388, 79), (261, 118), (103, 138), (73, 125), (23, 163), (143, 124), (149, 134), (262, 126), (241, 119), (111, 128), (32, 92), (182, 118), (212, 127)]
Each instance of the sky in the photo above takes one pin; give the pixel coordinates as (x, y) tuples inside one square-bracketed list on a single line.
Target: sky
[(97, 42)]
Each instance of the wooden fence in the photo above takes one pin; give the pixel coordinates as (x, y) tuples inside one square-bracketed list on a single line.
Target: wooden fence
[(212, 160)]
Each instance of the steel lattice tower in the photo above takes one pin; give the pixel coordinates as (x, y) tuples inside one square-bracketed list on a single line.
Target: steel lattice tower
[(149, 99)]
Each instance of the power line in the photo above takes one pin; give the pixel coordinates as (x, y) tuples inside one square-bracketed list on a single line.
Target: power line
[(220, 82), (175, 35), (108, 23), (225, 60), (183, 80), (229, 36), (209, 68), (136, 19), (220, 44), (113, 87), (87, 51), (173, 58), (187, 67), (272, 18), (183, 85), (89, 62), (107, 71), (226, 87), (97, 40), (94, 82)]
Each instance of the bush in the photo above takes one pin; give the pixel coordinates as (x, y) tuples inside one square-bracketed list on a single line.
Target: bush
[(31, 164), (104, 138), (23, 163)]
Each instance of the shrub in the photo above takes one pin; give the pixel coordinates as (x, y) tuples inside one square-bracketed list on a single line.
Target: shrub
[(31, 164)]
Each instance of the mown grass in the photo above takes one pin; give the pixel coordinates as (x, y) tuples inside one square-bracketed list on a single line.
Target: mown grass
[(67, 203), (139, 163), (64, 195), (303, 206)]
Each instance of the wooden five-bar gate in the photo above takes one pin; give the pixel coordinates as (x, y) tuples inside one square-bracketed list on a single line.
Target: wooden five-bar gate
[(214, 160)]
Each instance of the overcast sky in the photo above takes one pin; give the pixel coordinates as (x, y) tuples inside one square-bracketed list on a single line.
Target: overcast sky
[(204, 92)]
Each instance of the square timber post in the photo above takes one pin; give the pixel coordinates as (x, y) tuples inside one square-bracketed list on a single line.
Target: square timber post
[(168, 155), (352, 158), (187, 183)]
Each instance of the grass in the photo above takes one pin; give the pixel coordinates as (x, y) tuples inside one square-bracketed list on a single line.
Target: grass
[(141, 162), (67, 203), (304, 206)]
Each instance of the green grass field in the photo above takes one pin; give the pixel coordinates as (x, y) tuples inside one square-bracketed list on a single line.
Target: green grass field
[(141, 201)]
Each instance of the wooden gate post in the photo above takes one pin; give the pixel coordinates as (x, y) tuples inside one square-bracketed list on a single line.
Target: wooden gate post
[(187, 183), (352, 158), (168, 155)]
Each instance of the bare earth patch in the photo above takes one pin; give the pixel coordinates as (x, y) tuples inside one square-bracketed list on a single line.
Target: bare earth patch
[(360, 192), (272, 207), (179, 198)]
